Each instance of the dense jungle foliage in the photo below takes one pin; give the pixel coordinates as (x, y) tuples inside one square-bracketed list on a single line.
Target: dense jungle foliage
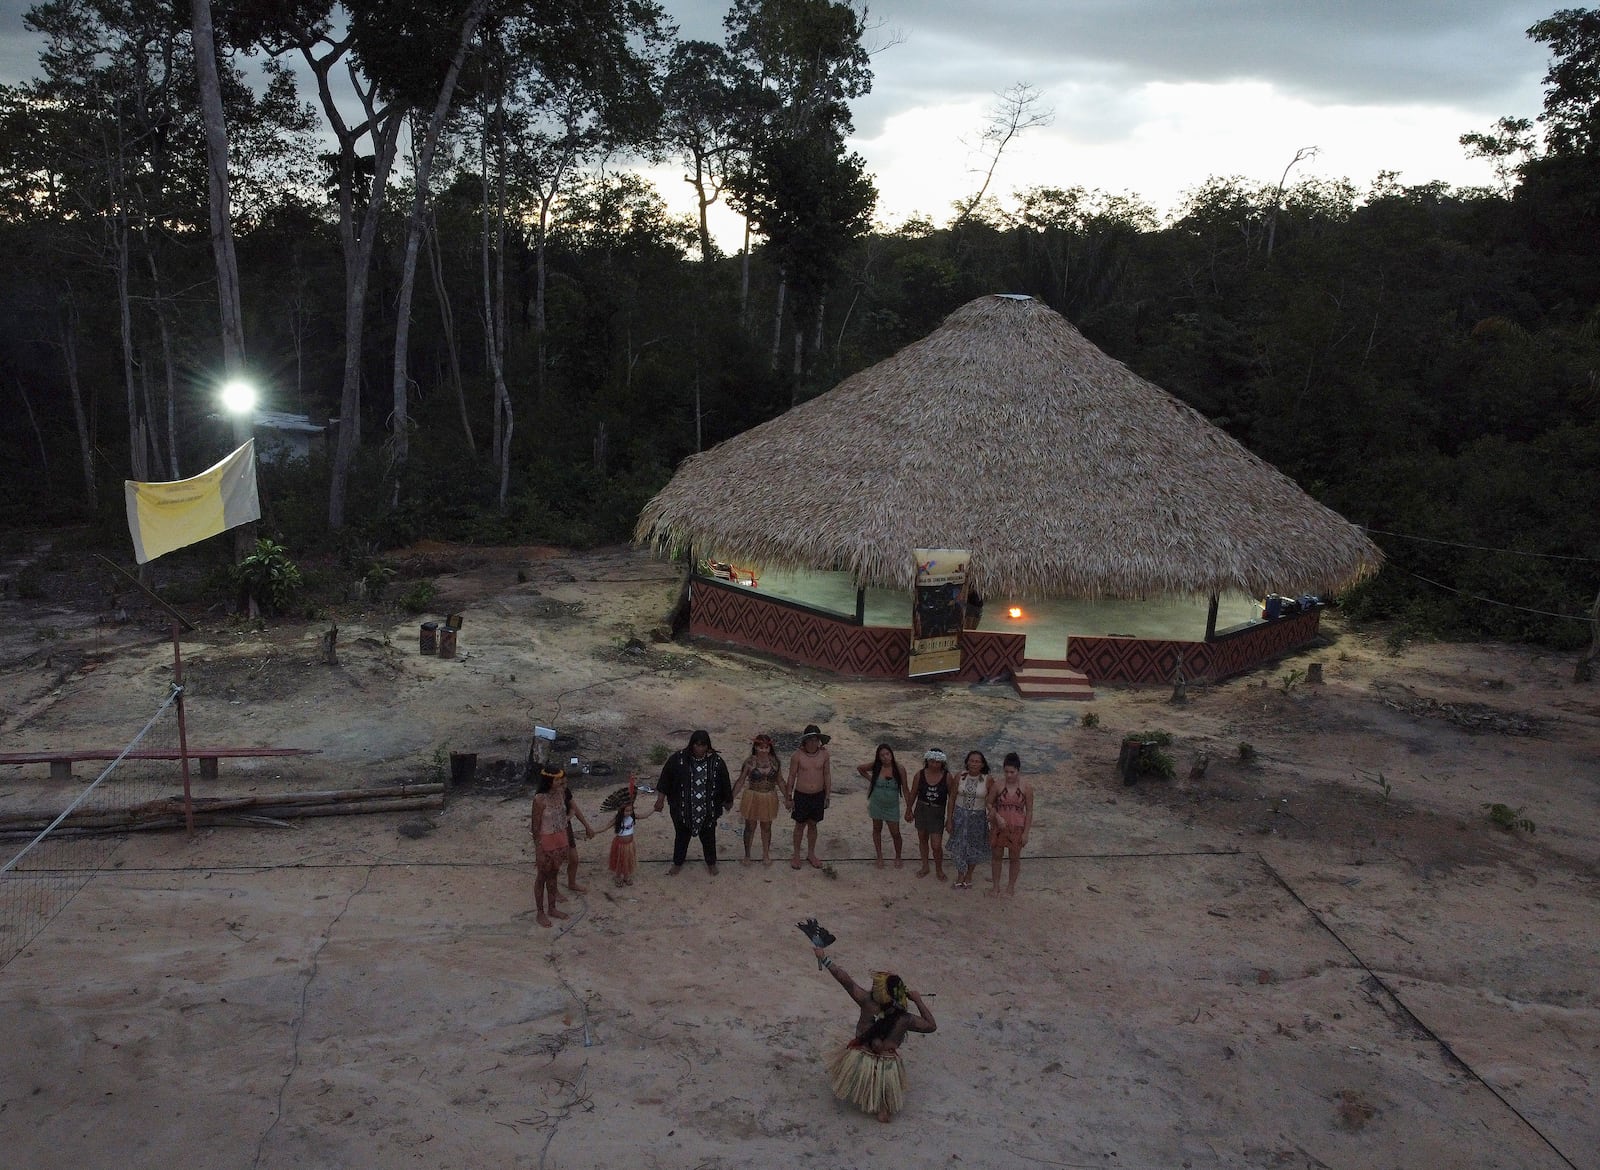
[(1422, 359)]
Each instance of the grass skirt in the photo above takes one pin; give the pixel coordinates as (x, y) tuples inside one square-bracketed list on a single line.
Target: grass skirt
[(758, 806), (624, 858), (868, 1081)]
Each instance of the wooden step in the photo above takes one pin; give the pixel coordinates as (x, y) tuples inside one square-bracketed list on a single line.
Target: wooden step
[(1051, 679)]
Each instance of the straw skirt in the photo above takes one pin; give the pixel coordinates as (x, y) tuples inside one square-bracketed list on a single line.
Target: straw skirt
[(868, 1081), (758, 806)]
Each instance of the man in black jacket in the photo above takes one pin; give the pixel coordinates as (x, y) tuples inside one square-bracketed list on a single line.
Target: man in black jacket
[(695, 784)]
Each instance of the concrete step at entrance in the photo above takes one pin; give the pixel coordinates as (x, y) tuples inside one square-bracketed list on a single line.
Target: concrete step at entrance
[(1051, 679)]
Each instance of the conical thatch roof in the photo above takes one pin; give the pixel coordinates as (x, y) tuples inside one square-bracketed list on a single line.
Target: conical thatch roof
[(1005, 432)]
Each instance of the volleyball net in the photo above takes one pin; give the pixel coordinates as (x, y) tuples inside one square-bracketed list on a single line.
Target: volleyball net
[(56, 861)]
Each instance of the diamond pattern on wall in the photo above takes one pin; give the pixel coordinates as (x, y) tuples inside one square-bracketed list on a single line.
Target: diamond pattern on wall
[(748, 619), (1151, 660)]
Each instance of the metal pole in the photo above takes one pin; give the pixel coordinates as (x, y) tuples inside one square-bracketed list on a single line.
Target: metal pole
[(183, 733)]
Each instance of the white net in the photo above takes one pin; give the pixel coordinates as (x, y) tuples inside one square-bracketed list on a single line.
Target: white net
[(65, 838)]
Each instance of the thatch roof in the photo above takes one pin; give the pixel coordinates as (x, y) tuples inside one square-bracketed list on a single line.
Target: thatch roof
[(1005, 432)]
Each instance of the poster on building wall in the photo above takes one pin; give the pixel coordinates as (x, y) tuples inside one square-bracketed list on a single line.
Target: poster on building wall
[(937, 608)]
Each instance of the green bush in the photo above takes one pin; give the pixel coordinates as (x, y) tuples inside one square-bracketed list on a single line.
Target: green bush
[(419, 597), (268, 576)]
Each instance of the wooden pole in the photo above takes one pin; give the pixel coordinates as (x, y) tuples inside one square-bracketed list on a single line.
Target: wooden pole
[(861, 607), (1211, 619), (148, 592), (183, 734)]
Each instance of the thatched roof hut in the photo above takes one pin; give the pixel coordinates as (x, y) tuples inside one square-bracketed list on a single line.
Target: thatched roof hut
[(1005, 432)]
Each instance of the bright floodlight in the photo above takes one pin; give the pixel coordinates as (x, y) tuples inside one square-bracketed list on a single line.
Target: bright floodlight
[(238, 397)]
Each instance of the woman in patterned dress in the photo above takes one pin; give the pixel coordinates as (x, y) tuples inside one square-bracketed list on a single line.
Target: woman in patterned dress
[(968, 823)]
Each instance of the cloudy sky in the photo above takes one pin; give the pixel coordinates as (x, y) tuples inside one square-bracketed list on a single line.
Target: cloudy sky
[(1154, 96)]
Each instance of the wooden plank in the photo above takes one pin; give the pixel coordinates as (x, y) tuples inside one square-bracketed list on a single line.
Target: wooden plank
[(68, 755)]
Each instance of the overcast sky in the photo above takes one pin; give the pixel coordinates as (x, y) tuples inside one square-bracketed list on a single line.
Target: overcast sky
[(1154, 96)]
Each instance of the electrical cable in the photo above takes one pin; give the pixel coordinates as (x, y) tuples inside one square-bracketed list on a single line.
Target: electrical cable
[(1516, 552), (1416, 1021), (1491, 601)]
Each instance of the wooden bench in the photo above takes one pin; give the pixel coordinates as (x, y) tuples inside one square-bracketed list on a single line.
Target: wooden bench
[(61, 761)]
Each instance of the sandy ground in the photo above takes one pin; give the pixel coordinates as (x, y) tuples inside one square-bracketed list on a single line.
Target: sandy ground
[(1324, 957)]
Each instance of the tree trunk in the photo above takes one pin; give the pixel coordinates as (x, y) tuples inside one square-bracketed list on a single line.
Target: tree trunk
[(414, 225), (158, 297), (69, 353), (799, 363), (357, 244), (136, 449), (227, 262), (744, 277), (777, 320), (152, 437), (33, 424), (447, 325), (494, 300)]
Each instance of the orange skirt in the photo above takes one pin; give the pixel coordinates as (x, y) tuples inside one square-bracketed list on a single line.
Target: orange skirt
[(624, 860)]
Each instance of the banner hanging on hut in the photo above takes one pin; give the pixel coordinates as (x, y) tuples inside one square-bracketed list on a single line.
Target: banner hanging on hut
[(167, 516), (937, 609)]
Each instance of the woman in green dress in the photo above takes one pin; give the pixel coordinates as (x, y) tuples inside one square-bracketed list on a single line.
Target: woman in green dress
[(886, 794)]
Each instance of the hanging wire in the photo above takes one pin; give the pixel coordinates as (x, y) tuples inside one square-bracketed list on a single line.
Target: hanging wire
[(1516, 552), (1491, 601)]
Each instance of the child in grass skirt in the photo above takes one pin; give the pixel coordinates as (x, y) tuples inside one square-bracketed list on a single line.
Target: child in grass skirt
[(624, 860)]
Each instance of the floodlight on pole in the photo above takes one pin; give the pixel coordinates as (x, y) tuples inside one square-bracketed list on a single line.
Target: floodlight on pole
[(238, 397)]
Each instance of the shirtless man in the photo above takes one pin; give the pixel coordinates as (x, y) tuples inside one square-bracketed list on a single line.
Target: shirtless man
[(810, 786), (867, 1071)]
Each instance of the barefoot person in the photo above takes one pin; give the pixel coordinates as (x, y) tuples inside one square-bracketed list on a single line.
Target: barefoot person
[(967, 821), (694, 782), (549, 828), (930, 793), (761, 782), (623, 861), (1011, 815), (868, 1071), (574, 813), (886, 795), (810, 790)]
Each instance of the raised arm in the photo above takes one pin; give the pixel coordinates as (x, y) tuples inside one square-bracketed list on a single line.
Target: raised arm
[(855, 991)]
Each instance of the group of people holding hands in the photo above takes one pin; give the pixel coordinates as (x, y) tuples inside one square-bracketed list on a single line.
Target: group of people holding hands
[(972, 817), (975, 816)]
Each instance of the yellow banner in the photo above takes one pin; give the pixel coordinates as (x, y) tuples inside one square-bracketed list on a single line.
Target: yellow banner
[(938, 606), (167, 516)]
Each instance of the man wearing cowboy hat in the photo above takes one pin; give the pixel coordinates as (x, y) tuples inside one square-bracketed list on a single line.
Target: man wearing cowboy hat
[(810, 789)]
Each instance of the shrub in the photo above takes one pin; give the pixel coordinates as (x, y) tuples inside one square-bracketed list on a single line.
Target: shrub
[(268, 576), (419, 597)]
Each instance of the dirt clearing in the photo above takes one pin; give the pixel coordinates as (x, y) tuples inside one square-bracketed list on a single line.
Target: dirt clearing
[(1320, 953)]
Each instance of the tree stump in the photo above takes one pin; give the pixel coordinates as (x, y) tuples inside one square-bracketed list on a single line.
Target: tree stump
[(1314, 674), (330, 645)]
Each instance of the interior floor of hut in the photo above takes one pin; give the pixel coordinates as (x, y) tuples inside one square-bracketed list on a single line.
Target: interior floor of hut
[(1046, 623)]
